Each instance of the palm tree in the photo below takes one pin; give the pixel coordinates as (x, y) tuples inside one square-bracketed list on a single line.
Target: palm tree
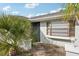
[(72, 14), (14, 30), (72, 10)]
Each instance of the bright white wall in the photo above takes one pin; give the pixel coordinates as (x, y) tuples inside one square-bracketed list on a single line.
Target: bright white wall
[(43, 27), (77, 35), (43, 32), (77, 32), (69, 46)]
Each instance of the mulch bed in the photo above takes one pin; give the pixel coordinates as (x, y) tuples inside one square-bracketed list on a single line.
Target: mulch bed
[(42, 49)]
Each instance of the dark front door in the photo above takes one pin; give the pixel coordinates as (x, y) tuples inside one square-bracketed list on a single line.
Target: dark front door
[(36, 31)]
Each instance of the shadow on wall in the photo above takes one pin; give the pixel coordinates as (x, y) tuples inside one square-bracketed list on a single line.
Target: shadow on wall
[(44, 39)]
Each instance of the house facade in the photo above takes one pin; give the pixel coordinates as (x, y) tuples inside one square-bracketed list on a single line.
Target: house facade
[(53, 29)]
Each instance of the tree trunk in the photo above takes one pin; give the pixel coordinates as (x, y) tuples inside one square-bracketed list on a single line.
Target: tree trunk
[(12, 52)]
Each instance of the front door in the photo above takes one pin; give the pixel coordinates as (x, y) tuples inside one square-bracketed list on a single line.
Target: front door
[(36, 31)]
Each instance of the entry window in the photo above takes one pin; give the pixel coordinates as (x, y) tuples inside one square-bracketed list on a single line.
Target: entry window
[(49, 28), (58, 28)]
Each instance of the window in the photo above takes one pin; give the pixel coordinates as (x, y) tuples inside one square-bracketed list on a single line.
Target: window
[(59, 28), (49, 28)]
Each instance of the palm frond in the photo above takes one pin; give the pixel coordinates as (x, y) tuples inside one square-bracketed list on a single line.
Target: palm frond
[(13, 30)]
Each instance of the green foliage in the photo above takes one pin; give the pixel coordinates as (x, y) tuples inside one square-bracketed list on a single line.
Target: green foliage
[(71, 10), (13, 31), (34, 36)]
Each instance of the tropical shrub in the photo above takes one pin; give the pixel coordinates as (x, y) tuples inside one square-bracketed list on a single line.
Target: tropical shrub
[(14, 30)]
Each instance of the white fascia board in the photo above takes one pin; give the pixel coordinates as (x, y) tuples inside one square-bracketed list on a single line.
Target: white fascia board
[(46, 18)]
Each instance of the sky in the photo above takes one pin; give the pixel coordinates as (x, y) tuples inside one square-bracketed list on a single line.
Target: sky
[(30, 9)]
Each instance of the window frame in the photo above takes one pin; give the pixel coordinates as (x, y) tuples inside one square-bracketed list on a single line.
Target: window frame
[(50, 31)]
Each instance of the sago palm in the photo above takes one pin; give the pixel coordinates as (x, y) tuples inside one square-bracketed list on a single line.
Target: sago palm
[(14, 30)]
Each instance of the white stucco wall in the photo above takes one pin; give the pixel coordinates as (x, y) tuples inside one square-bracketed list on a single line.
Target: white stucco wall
[(43, 32), (77, 35), (26, 44), (44, 39), (70, 46)]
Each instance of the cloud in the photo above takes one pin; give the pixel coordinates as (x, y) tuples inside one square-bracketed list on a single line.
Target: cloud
[(6, 8), (30, 15), (54, 11), (40, 14), (15, 12), (31, 5)]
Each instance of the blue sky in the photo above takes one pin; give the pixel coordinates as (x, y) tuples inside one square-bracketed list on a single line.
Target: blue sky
[(30, 9)]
